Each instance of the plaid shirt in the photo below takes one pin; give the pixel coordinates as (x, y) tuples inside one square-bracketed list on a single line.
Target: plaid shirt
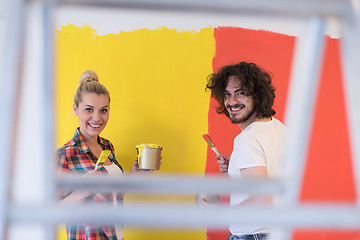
[(75, 157)]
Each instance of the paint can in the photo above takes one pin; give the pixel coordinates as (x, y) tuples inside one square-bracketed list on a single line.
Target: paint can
[(149, 156)]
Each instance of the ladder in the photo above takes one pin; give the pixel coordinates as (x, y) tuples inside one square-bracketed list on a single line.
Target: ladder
[(44, 211)]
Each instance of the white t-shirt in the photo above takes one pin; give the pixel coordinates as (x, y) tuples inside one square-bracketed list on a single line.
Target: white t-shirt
[(114, 170), (259, 144)]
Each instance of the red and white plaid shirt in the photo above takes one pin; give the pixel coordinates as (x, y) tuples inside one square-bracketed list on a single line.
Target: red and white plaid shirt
[(75, 157)]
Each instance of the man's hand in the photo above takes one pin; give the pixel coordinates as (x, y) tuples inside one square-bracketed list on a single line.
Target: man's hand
[(223, 162)]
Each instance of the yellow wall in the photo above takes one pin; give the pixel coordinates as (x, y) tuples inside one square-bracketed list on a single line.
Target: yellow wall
[(156, 79)]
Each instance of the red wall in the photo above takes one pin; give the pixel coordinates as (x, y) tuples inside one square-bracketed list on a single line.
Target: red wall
[(328, 175)]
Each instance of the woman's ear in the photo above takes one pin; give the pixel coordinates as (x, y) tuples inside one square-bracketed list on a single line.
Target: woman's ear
[(75, 109)]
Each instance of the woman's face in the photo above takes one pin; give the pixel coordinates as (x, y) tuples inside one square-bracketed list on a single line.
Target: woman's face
[(93, 113)]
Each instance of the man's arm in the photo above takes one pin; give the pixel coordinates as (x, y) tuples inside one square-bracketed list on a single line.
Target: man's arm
[(256, 172)]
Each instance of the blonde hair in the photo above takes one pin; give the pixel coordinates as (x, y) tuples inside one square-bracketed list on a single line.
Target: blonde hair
[(89, 83)]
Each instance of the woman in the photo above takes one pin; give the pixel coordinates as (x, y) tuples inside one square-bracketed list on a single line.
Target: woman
[(80, 154)]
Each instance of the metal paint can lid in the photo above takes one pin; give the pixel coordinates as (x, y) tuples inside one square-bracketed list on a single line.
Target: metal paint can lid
[(149, 145)]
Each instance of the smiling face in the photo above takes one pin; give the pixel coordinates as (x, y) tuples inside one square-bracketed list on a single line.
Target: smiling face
[(93, 113), (240, 107)]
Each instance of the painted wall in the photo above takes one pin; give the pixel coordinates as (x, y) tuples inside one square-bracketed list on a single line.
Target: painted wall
[(156, 81), (328, 175), (156, 76)]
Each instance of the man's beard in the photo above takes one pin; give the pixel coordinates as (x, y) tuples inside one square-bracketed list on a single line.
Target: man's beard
[(235, 120)]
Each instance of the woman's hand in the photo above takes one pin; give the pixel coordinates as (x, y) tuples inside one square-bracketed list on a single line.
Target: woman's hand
[(81, 195), (223, 162), (139, 172)]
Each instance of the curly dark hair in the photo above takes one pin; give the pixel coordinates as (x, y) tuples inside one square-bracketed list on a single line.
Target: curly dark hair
[(255, 81)]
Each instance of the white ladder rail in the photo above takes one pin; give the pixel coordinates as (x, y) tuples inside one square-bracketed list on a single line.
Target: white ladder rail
[(305, 81), (350, 46), (10, 79)]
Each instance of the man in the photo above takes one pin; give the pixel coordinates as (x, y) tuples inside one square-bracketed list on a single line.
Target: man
[(245, 95)]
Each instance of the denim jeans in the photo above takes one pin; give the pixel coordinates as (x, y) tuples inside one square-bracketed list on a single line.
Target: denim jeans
[(258, 236)]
